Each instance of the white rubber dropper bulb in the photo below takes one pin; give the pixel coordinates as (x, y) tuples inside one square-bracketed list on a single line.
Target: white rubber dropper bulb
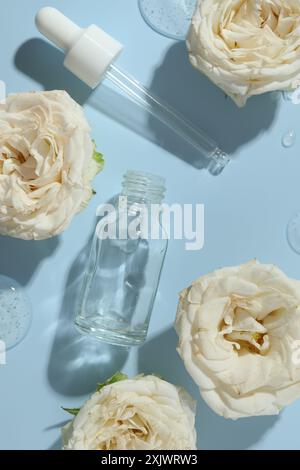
[(89, 52), (58, 28)]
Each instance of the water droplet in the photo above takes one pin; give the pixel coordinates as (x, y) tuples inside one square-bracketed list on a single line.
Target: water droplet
[(293, 233), (289, 138), (287, 95), (15, 312), (292, 96)]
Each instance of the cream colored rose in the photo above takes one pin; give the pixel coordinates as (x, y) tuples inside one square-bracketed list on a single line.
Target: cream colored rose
[(46, 164), (145, 413), (238, 328), (247, 47)]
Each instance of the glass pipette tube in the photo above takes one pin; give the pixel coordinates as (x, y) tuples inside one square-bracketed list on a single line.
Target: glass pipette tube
[(91, 53)]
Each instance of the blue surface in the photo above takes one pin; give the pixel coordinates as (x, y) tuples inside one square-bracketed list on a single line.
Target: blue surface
[(247, 210)]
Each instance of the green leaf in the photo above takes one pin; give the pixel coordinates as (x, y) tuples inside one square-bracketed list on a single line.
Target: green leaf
[(97, 156), (72, 411), (115, 378)]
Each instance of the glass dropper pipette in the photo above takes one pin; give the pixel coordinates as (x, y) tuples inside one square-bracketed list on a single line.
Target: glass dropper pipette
[(90, 55)]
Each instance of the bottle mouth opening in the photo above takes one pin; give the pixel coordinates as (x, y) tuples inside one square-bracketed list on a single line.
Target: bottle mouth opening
[(143, 185)]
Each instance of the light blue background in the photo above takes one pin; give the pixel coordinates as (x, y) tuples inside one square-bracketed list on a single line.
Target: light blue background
[(247, 210)]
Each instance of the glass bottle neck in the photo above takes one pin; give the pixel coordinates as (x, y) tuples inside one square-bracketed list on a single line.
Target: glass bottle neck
[(143, 188)]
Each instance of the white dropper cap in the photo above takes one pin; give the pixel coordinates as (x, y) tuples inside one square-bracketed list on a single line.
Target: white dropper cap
[(89, 52)]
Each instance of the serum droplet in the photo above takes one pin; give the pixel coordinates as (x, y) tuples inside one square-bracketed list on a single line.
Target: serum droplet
[(171, 18), (289, 138), (15, 312)]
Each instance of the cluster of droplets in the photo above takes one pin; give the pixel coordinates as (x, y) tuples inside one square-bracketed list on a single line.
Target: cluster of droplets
[(171, 18), (15, 312)]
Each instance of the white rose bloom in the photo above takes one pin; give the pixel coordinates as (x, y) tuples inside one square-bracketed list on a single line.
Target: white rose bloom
[(46, 164), (247, 47), (145, 413), (238, 329)]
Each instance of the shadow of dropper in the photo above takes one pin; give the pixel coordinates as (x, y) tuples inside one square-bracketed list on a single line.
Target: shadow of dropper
[(42, 62), (90, 54)]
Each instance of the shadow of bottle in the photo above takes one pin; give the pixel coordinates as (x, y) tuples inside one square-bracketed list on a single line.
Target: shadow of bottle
[(159, 356), (20, 258), (206, 106), (77, 363)]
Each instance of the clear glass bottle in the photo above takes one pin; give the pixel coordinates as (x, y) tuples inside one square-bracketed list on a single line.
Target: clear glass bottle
[(123, 272)]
